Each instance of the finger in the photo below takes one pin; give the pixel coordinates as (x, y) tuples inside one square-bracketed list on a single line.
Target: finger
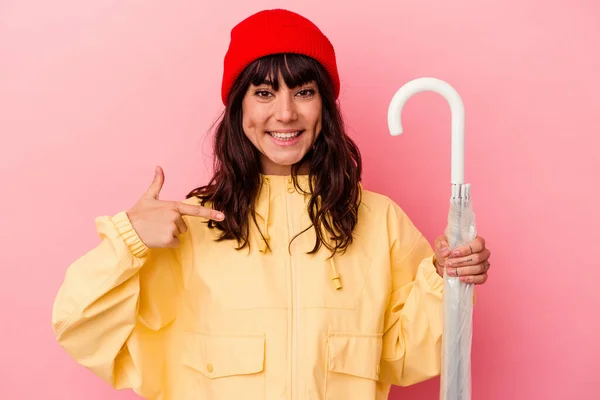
[(487, 265), (181, 225), (442, 248), (199, 211), (156, 185), (466, 271), (475, 279), (476, 246), (472, 259)]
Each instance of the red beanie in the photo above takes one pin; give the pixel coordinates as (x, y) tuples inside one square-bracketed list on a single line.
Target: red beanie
[(271, 32)]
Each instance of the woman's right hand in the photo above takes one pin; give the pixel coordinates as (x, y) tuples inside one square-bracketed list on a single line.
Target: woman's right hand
[(159, 223)]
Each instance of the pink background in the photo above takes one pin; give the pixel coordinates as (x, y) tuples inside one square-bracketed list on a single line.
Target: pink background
[(94, 94)]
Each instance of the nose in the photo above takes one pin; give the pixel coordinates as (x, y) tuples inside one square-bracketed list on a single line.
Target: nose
[(286, 108)]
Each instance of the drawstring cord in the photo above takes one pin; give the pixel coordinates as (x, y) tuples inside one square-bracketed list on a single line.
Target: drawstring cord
[(335, 276), (264, 244)]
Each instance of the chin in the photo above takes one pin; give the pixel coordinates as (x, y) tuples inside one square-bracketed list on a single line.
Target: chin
[(281, 164), (287, 162)]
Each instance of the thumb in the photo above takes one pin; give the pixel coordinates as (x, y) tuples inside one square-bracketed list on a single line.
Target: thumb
[(442, 248), (156, 185)]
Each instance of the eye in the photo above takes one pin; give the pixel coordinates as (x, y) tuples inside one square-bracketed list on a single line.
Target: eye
[(262, 93), (306, 92)]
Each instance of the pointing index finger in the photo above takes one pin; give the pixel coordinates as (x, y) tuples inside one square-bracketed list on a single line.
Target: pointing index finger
[(199, 211)]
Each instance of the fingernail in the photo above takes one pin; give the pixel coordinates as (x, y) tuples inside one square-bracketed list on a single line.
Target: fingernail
[(220, 216), (444, 251), (456, 253), (448, 263), (451, 272)]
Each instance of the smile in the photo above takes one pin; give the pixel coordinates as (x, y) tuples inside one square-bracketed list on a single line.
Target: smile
[(285, 135)]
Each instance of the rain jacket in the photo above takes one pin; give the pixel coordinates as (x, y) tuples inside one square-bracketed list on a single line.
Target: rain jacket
[(207, 322)]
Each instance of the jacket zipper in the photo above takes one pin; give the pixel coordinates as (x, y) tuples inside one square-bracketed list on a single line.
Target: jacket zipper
[(295, 301)]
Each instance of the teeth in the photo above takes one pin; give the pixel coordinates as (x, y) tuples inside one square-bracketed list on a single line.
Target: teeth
[(285, 136)]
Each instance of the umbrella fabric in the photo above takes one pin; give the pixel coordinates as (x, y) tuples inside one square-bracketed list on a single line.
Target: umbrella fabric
[(458, 303)]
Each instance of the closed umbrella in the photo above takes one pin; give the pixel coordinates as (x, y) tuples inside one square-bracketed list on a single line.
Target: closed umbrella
[(455, 383)]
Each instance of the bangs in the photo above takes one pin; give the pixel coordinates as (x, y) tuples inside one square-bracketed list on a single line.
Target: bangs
[(295, 69)]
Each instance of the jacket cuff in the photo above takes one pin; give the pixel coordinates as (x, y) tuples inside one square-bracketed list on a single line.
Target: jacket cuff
[(435, 281), (137, 247)]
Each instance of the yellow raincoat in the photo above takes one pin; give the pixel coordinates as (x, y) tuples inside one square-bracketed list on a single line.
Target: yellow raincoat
[(206, 322)]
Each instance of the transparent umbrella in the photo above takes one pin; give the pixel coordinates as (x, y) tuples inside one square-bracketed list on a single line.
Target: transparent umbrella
[(455, 381)]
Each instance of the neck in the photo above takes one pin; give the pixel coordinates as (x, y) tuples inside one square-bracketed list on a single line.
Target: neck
[(284, 170)]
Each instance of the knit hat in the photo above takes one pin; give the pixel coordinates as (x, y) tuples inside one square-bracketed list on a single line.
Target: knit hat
[(271, 32)]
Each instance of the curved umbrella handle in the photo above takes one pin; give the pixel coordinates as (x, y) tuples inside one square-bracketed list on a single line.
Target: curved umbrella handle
[(458, 118)]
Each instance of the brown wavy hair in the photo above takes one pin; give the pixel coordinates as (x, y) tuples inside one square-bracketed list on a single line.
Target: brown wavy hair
[(334, 162)]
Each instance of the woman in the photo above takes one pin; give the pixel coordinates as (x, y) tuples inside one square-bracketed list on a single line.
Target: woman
[(280, 279)]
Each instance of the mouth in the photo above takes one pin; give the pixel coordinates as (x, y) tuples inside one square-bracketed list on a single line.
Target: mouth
[(285, 136)]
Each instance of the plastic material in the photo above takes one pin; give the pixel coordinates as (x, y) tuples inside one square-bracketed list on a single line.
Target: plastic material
[(455, 383)]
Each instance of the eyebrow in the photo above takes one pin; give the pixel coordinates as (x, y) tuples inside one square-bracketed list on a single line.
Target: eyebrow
[(266, 82)]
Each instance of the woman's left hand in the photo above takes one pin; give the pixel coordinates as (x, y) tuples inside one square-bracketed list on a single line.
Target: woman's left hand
[(470, 262)]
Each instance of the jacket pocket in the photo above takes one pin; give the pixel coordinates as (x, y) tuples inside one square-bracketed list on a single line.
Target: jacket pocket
[(225, 367), (352, 366)]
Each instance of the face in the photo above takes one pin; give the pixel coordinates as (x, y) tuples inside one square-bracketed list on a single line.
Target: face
[(282, 124)]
